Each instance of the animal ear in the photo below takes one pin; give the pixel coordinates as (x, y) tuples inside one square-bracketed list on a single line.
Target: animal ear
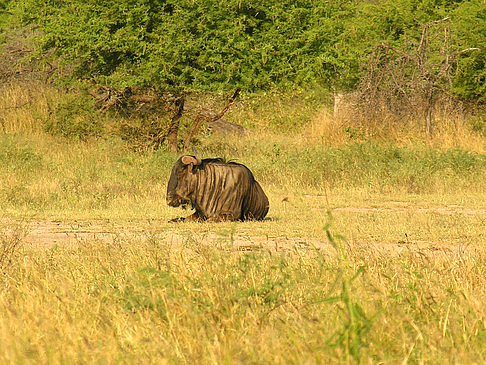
[(190, 160)]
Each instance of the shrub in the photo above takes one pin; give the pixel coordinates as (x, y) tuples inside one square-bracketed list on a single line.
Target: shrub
[(75, 117)]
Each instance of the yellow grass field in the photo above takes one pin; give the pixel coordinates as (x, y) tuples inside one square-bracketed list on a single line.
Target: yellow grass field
[(372, 251)]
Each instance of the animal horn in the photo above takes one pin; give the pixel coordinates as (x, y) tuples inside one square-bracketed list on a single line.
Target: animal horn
[(198, 159)]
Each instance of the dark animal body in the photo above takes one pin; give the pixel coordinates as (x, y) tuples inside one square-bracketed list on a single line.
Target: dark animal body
[(217, 190)]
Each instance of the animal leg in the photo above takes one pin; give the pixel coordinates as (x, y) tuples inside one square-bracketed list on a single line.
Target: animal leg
[(195, 217), (177, 220), (192, 218)]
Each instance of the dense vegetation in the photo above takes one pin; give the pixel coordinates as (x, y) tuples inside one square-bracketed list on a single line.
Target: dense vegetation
[(210, 45), (399, 61)]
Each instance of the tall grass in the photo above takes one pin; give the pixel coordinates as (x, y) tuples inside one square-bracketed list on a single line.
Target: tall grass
[(455, 125), (23, 107), (381, 166), (407, 286), (154, 302), (11, 242), (49, 174)]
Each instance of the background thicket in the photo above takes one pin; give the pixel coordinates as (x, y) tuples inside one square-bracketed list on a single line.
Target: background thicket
[(146, 59), (153, 72), (130, 54), (210, 45)]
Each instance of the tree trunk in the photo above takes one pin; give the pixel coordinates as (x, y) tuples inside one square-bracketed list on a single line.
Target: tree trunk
[(174, 126), (338, 105), (429, 123), (429, 114)]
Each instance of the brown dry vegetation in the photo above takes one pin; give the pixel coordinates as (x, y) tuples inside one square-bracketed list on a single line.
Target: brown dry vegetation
[(452, 130), (206, 298)]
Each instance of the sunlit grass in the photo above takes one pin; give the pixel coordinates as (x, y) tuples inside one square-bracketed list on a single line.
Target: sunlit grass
[(423, 194), (199, 301), (405, 284)]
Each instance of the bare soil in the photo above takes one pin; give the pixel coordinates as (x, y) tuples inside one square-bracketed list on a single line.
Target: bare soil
[(44, 234)]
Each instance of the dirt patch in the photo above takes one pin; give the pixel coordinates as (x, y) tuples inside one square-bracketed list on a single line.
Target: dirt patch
[(47, 234)]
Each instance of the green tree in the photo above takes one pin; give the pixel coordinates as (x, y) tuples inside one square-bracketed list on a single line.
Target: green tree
[(192, 45), (175, 47), (470, 23), (188, 45)]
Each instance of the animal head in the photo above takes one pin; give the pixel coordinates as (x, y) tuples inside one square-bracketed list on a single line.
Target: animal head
[(181, 180)]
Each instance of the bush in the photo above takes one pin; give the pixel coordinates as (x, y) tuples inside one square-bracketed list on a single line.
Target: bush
[(478, 125), (75, 117)]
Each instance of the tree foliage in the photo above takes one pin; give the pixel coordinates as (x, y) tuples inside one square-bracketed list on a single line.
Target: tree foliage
[(401, 24), (470, 22), (187, 45), (191, 45)]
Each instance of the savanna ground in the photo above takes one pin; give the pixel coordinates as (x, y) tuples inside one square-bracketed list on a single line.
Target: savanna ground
[(373, 250)]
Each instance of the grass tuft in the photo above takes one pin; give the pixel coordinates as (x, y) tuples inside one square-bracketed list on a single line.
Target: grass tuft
[(155, 302)]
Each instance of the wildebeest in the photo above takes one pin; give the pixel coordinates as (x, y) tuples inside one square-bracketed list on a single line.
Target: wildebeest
[(216, 189)]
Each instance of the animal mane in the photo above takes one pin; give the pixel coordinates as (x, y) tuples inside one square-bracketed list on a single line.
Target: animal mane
[(220, 160), (213, 160)]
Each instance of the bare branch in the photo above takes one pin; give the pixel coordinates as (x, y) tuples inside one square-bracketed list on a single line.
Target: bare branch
[(466, 50), (200, 117), (397, 51), (411, 81), (425, 30)]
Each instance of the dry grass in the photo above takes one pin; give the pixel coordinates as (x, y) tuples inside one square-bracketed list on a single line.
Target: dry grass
[(407, 286), (150, 301), (451, 131), (23, 107)]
